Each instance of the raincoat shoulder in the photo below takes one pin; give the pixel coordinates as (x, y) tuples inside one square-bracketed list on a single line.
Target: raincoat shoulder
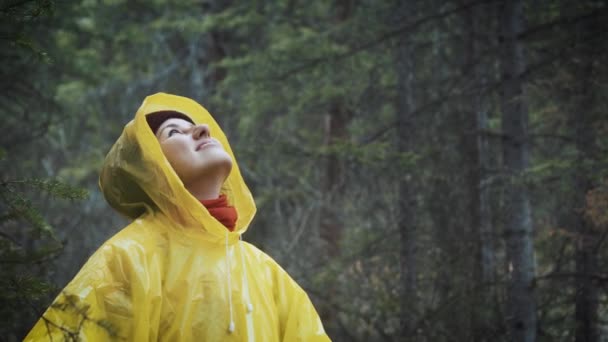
[(102, 301)]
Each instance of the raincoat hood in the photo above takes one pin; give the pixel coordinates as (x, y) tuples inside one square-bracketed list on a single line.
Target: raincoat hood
[(136, 178)]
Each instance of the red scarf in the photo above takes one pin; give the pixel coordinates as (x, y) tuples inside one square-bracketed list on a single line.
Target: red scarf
[(222, 212)]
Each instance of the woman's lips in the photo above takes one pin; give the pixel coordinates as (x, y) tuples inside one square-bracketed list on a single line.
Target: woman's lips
[(206, 143)]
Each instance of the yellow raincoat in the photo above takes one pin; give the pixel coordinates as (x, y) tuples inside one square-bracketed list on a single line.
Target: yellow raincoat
[(176, 273)]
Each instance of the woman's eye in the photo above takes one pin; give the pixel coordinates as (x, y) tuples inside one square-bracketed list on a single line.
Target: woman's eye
[(173, 131)]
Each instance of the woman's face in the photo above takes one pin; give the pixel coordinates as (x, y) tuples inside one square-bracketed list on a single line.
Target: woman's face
[(192, 152)]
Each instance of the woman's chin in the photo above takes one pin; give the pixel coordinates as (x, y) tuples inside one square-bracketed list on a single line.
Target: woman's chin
[(217, 168)]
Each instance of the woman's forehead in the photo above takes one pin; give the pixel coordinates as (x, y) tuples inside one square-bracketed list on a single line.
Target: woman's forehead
[(176, 122)]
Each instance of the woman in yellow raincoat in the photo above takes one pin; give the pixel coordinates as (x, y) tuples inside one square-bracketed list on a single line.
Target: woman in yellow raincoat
[(177, 273)]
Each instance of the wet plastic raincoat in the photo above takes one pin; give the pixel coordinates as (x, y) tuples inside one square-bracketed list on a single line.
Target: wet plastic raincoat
[(176, 273)]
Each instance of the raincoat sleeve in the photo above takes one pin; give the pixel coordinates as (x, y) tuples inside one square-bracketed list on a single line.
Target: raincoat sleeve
[(298, 318), (97, 305)]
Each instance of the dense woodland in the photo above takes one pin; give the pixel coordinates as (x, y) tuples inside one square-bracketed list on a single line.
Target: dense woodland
[(426, 170)]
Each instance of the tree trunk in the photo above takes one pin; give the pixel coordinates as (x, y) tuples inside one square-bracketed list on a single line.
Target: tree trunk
[(521, 305), (477, 148), (406, 195), (336, 123), (586, 249), (331, 226)]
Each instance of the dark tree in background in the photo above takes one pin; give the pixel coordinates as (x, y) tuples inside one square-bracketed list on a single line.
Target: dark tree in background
[(29, 191), (518, 231), (427, 170), (405, 142)]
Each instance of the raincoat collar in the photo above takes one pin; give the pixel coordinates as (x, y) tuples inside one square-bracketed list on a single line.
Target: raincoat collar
[(137, 179)]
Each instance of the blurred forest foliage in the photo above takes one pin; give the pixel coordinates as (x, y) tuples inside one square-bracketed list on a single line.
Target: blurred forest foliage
[(426, 170)]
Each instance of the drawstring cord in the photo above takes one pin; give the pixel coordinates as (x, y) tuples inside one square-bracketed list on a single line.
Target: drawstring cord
[(249, 305), (231, 326)]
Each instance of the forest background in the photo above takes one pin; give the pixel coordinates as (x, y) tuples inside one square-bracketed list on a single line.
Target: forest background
[(426, 170)]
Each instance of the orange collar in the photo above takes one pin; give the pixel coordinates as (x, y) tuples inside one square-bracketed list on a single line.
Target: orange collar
[(222, 212)]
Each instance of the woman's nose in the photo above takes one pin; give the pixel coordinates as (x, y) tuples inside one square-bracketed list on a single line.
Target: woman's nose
[(201, 131)]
